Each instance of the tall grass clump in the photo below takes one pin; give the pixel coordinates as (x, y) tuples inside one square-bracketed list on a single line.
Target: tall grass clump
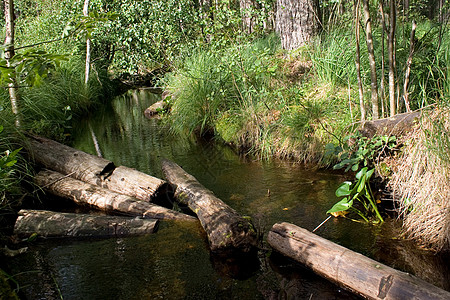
[(333, 57), (421, 182), (241, 95), (47, 108)]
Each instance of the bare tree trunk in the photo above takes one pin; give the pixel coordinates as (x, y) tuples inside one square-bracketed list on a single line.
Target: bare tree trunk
[(408, 67), (382, 83), (441, 11), (358, 63), (88, 46), (297, 21), (372, 63), (391, 50), (9, 53)]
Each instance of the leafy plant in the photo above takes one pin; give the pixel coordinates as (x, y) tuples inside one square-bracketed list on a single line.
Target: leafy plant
[(359, 151), (7, 161), (361, 192)]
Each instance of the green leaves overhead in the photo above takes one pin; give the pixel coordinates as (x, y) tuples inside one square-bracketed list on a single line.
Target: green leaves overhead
[(31, 66)]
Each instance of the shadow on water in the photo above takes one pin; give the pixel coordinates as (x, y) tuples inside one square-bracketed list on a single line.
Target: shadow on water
[(175, 263)]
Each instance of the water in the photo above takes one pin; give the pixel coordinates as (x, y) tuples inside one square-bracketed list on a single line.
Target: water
[(175, 262)]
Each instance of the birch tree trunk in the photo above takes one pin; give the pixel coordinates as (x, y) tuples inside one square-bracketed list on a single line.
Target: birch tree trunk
[(372, 63), (391, 50), (88, 46), (358, 64), (9, 53), (297, 21)]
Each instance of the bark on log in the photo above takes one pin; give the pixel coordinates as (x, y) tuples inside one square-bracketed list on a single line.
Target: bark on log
[(104, 199), (347, 268), (56, 224), (95, 170), (225, 228), (397, 125)]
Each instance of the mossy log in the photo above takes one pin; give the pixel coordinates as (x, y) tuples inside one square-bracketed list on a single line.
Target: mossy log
[(104, 199), (95, 170), (397, 125), (57, 224), (347, 268), (225, 228)]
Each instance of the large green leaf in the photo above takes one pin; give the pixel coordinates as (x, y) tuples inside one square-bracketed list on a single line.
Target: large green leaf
[(344, 189), (342, 205)]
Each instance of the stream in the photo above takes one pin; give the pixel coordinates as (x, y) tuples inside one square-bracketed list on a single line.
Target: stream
[(175, 262)]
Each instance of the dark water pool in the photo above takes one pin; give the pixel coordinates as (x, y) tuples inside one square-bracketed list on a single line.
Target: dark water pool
[(175, 262)]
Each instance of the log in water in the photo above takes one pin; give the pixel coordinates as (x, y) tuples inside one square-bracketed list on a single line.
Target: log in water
[(347, 268), (57, 224), (95, 170), (225, 228), (104, 199)]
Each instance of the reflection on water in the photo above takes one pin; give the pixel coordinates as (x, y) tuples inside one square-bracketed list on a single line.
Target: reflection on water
[(175, 262)]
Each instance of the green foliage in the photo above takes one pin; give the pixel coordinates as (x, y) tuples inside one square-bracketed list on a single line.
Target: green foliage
[(333, 57), (358, 151), (8, 169), (361, 192), (212, 87)]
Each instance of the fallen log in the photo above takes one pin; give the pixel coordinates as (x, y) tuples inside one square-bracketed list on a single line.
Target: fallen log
[(104, 199), (225, 228), (347, 268), (56, 224), (397, 125), (95, 170)]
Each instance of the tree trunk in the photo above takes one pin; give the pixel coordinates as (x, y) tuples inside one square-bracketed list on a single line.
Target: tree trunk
[(391, 50), (88, 46), (95, 170), (248, 23), (408, 67), (372, 63), (349, 269), (225, 228), (56, 224), (382, 83), (9, 54), (358, 64), (101, 198), (297, 22)]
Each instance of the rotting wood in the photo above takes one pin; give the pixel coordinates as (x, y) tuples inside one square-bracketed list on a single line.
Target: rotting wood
[(95, 170), (347, 268), (104, 199), (56, 224), (225, 228)]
